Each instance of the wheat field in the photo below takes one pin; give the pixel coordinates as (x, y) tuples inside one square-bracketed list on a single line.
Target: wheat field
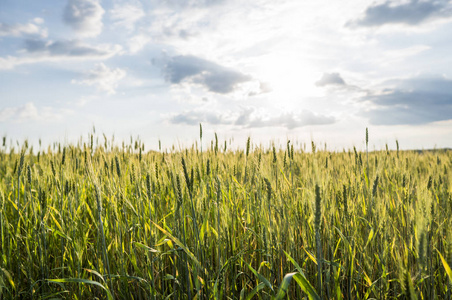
[(97, 220)]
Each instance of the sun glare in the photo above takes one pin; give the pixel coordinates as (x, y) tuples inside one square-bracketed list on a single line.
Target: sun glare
[(290, 76)]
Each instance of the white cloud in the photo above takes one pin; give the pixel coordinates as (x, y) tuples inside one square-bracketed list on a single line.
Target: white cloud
[(406, 52), (29, 29), (137, 43), (104, 78), (126, 15), (38, 20), (84, 16), (29, 112)]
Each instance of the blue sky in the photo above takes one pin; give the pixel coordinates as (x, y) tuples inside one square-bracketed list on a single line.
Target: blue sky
[(272, 70)]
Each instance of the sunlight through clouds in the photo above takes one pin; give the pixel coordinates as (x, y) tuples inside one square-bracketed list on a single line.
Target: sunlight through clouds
[(255, 67)]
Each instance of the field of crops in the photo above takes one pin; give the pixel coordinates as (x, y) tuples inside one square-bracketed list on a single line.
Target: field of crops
[(118, 222)]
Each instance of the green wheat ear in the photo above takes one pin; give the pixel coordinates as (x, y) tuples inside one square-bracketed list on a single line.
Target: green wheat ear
[(52, 166), (375, 186), (269, 189), (397, 144), (148, 183), (29, 174), (274, 155), (216, 144), (248, 142), (132, 174), (288, 150), (367, 136), (187, 178), (118, 167), (63, 159)]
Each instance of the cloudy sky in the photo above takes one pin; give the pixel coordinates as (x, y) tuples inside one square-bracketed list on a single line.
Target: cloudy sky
[(272, 70)]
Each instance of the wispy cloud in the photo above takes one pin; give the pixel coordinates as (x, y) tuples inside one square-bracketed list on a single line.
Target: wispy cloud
[(64, 48), (411, 12), (29, 112), (84, 16), (126, 15), (193, 3), (175, 21), (38, 50), (195, 70), (102, 77)]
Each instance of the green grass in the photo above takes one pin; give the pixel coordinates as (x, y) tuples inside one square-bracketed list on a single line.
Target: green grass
[(86, 221)]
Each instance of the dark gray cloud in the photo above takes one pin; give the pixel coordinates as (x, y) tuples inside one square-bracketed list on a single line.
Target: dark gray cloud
[(412, 101), (212, 76), (412, 12), (330, 79), (84, 16), (249, 119), (63, 48)]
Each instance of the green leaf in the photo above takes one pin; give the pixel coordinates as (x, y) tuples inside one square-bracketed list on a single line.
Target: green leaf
[(10, 279), (95, 273), (256, 289), (409, 293), (446, 266), (371, 235), (284, 286), (259, 276), (85, 281), (294, 263), (346, 242), (312, 257), (180, 244), (300, 279), (146, 247), (57, 232), (306, 286)]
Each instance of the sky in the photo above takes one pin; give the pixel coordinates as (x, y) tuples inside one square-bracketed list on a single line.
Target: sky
[(270, 70)]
